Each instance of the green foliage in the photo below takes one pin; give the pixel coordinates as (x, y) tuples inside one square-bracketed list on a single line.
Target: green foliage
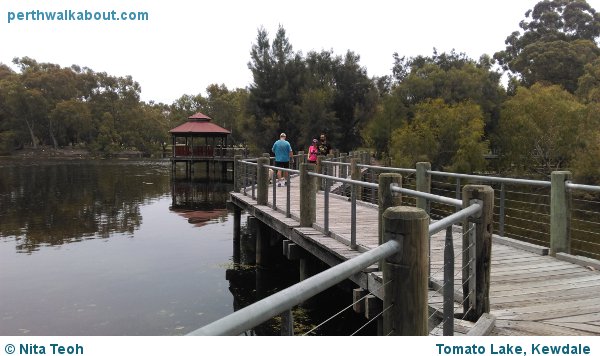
[(390, 115), (7, 142), (450, 77), (541, 129), (50, 105), (585, 161), (304, 96), (448, 136), (556, 43), (588, 90)]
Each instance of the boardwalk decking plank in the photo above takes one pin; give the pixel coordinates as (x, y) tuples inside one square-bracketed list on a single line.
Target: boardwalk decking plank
[(512, 327), (584, 327), (544, 315)]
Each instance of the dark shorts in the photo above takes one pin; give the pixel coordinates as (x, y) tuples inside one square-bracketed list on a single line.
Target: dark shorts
[(282, 164)]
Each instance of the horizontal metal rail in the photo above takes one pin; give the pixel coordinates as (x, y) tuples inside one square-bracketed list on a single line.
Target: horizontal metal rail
[(428, 196), (388, 169), (289, 170), (454, 218), (333, 163), (539, 183), (249, 163), (263, 310), (344, 180), (588, 188)]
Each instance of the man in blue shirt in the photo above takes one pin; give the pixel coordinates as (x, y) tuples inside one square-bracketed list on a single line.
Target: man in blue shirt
[(283, 155)]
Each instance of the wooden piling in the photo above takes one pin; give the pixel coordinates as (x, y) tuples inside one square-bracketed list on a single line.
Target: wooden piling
[(405, 273), (263, 245), (237, 224)]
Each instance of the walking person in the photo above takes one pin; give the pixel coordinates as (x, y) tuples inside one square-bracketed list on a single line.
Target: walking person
[(283, 155), (324, 146), (313, 151)]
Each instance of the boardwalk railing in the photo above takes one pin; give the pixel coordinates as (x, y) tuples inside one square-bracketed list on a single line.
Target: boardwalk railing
[(331, 176), (404, 258), (561, 215), (475, 280)]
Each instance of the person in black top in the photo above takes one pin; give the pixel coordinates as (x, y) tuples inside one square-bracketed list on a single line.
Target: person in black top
[(324, 146)]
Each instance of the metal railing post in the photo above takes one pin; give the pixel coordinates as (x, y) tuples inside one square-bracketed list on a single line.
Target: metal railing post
[(477, 284), (448, 323), (326, 207), (560, 213), (356, 175), (502, 212), (274, 178), (405, 273), (308, 196), (353, 193)]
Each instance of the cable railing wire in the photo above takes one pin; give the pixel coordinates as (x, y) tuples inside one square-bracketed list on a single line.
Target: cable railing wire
[(374, 318), (346, 308)]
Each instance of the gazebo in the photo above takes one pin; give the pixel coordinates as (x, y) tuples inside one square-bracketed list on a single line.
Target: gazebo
[(200, 140)]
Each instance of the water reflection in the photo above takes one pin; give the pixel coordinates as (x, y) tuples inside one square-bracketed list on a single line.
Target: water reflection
[(58, 202), (200, 200)]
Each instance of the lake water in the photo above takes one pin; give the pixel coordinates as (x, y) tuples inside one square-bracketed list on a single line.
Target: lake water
[(117, 247), (95, 248)]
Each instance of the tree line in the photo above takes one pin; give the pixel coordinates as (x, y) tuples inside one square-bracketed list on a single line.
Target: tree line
[(445, 108)]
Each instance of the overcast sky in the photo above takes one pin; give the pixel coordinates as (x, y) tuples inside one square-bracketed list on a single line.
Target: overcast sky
[(184, 46)]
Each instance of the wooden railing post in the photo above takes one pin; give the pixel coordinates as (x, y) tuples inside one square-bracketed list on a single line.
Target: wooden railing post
[(308, 196), (560, 213), (478, 256), (262, 183), (423, 184), (387, 198), (319, 169), (236, 173), (355, 174), (405, 273), (301, 159), (343, 168)]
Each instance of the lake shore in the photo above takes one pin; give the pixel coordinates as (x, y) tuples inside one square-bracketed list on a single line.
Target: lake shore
[(67, 153)]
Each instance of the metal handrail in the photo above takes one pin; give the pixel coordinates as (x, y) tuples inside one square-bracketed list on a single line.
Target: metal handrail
[(389, 169), (263, 310), (589, 188), (539, 183)]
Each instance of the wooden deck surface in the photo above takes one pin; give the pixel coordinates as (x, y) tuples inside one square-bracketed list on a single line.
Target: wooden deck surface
[(530, 294)]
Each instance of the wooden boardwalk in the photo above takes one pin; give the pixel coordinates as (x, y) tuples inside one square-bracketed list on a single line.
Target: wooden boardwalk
[(531, 293)]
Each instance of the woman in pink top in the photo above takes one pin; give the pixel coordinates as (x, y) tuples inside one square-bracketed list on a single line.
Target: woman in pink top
[(313, 151)]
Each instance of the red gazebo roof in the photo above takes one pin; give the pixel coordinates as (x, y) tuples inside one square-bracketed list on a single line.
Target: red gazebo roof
[(199, 124)]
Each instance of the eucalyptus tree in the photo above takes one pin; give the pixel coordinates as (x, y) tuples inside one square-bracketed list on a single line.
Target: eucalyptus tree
[(558, 40)]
